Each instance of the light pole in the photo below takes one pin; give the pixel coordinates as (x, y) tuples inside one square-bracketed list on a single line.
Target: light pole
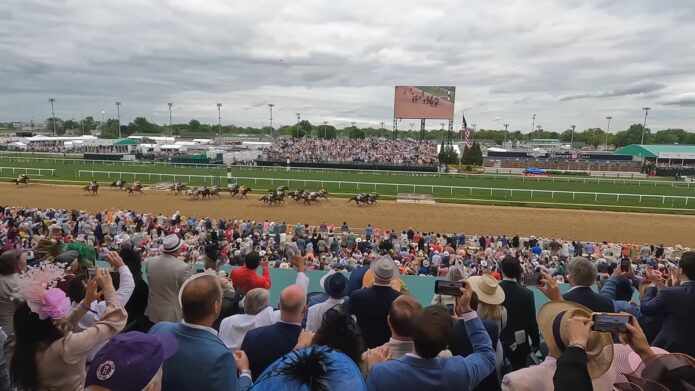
[(608, 129), (325, 123), (219, 119), (299, 117), (270, 107), (505, 132), (533, 122), (644, 127), (171, 131), (103, 122), (442, 125), (53, 115), (381, 131), (572, 139), (118, 116)]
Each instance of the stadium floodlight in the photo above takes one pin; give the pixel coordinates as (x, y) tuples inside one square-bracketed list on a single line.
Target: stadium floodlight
[(608, 129), (505, 132), (325, 124), (572, 139), (118, 116), (219, 119), (53, 114), (171, 132), (381, 131), (270, 107), (533, 122), (644, 126), (299, 117), (103, 121)]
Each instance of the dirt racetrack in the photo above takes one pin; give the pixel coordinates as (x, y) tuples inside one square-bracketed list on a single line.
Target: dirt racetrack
[(469, 219)]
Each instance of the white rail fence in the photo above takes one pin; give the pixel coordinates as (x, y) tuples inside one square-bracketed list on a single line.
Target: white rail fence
[(397, 187), (28, 171)]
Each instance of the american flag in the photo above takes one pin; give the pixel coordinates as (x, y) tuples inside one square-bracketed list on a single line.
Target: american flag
[(466, 131)]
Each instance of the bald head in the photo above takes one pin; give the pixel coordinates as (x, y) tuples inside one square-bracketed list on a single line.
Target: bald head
[(292, 303), (201, 300), (401, 315)]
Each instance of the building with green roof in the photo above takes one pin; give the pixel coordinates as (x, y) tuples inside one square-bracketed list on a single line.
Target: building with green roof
[(660, 152)]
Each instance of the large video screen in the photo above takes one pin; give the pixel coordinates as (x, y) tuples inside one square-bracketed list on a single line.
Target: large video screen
[(428, 102)]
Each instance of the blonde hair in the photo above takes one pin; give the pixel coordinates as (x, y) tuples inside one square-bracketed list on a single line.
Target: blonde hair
[(489, 311)]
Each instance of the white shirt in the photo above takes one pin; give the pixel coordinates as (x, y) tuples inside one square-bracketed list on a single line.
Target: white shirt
[(233, 328), (200, 327), (316, 312)]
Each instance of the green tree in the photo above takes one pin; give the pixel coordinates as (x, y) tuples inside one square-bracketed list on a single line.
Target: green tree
[(356, 133), (326, 131), (59, 128), (72, 126), (671, 136), (141, 125), (88, 125), (194, 126), (305, 126), (296, 132), (110, 129), (476, 154), (633, 135), (466, 156), (447, 155)]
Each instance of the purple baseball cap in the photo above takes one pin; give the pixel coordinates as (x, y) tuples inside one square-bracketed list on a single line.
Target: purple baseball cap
[(129, 361)]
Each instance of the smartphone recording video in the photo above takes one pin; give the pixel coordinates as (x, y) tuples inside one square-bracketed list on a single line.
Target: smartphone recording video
[(609, 323), (451, 288), (532, 279)]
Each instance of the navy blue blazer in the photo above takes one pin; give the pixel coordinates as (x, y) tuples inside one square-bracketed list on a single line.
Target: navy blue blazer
[(371, 306), (586, 296), (202, 362), (266, 344), (461, 345), (455, 373), (356, 276), (676, 307)]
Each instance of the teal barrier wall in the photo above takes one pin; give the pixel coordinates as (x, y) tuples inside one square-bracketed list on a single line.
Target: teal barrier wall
[(422, 288)]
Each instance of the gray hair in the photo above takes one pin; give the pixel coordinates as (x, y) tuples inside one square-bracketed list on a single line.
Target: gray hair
[(454, 274), (582, 271), (256, 300)]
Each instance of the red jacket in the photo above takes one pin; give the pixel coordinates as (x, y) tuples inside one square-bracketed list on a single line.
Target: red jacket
[(245, 279)]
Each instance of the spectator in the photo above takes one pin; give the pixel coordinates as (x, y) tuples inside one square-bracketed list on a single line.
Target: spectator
[(521, 316), (340, 331), (371, 305), (131, 361), (257, 313), (309, 369), (165, 276), (572, 372), (137, 303), (266, 344), (245, 278), (490, 297), (421, 370), (582, 275), (45, 356), (335, 286), (675, 305), (553, 319), (202, 361), (12, 263), (453, 274)]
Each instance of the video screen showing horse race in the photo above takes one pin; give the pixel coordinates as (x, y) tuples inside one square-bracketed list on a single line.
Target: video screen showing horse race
[(216, 198)]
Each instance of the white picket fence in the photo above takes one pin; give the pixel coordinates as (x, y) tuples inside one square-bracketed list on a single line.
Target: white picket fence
[(27, 171), (397, 187)]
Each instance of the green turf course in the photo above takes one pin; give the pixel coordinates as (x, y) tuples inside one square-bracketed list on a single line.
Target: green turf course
[(496, 189)]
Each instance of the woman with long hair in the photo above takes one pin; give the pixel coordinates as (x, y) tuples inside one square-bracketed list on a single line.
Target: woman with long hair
[(46, 354), (340, 331), (12, 263)]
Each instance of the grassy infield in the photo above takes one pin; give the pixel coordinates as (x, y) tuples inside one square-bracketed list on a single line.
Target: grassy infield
[(66, 172)]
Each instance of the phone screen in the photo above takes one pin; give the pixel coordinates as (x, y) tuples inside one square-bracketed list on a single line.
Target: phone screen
[(451, 288), (624, 265), (91, 272), (532, 279), (611, 323)]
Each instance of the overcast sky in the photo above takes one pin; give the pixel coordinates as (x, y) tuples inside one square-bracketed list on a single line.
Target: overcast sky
[(569, 62)]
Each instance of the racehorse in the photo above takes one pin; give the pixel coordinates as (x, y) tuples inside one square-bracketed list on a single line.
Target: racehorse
[(21, 179), (310, 197), (214, 191), (271, 198), (93, 188), (233, 188), (323, 194), (118, 184), (135, 187), (177, 188), (243, 190), (202, 191), (297, 194), (372, 197), (192, 192), (360, 198)]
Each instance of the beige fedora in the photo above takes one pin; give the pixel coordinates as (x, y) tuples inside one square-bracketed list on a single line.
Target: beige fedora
[(487, 289), (552, 322)]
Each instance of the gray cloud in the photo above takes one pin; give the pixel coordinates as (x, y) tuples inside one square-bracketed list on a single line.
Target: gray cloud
[(567, 61), (687, 99)]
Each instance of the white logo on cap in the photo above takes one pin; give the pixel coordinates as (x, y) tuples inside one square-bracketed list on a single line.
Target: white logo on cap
[(105, 370)]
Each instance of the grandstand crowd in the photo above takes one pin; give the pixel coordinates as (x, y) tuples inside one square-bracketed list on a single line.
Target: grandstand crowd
[(164, 315), (369, 150)]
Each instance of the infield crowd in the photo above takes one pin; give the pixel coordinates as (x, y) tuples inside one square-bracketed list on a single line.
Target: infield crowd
[(165, 317)]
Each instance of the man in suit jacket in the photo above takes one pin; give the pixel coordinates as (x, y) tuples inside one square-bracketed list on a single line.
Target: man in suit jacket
[(582, 275), (676, 307), (202, 362), (371, 305), (521, 316), (422, 370), (266, 344), (165, 276)]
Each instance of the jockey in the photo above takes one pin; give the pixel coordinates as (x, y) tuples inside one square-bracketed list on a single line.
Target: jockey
[(93, 183)]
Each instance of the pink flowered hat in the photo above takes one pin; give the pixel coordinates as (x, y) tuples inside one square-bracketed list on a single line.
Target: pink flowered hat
[(38, 287)]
